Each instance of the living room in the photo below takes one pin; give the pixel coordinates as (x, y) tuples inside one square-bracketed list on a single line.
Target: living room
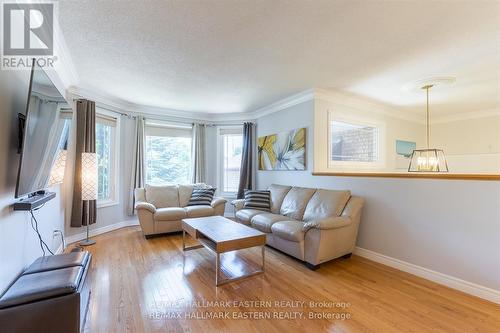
[(188, 166)]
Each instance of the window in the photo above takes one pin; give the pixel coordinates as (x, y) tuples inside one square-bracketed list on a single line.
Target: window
[(106, 133), (230, 149), (168, 154), (354, 144)]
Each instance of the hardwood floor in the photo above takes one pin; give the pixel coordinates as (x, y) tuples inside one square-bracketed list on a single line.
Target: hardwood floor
[(144, 285)]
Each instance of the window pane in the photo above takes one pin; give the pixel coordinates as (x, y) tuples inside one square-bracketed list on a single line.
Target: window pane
[(232, 148), (104, 160), (168, 160), (353, 142)]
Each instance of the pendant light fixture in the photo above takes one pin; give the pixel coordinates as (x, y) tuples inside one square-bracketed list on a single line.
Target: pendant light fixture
[(429, 159)]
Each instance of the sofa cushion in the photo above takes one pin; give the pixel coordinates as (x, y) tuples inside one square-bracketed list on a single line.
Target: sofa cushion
[(170, 214), (263, 222), (278, 193), (201, 186), (58, 261), (245, 215), (162, 196), (46, 284), (326, 203), (289, 230), (199, 211), (295, 202), (260, 200), (201, 197), (185, 191)]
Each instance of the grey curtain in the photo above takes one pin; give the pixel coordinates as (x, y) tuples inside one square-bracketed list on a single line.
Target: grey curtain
[(198, 154), (137, 179), (85, 142), (247, 170)]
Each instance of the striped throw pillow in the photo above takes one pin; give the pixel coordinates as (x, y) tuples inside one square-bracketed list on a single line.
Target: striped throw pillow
[(201, 197), (260, 200)]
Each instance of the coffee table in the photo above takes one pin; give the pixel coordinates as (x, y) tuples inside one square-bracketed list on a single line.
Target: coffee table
[(219, 234)]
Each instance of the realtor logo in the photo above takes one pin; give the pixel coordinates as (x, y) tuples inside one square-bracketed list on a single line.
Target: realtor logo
[(28, 29), (27, 33)]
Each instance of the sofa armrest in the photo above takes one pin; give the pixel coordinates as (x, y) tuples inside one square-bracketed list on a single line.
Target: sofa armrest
[(328, 223), (145, 205), (238, 204), (218, 201)]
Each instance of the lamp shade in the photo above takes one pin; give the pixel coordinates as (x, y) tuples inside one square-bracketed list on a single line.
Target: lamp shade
[(89, 176), (428, 160), (57, 172)]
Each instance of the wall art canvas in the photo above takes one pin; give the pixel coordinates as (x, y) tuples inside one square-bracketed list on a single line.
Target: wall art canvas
[(404, 149), (283, 151)]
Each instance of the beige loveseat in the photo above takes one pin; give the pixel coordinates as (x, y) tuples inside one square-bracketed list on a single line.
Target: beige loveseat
[(313, 225), (161, 208)]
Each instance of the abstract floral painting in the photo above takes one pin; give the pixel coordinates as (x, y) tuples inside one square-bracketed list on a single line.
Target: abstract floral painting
[(283, 151)]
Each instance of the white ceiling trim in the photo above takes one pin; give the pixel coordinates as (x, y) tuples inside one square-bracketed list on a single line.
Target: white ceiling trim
[(332, 96), (120, 105), (465, 116), (285, 103), (361, 103), (64, 73)]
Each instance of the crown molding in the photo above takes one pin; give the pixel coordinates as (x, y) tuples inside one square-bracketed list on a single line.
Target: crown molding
[(285, 103), (120, 105), (64, 73), (364, 104), (328, 95), (465, 116)]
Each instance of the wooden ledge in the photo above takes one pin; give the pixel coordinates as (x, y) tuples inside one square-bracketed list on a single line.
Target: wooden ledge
[(449, 176)]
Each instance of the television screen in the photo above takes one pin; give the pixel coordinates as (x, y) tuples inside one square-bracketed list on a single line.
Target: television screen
[(45, 134)]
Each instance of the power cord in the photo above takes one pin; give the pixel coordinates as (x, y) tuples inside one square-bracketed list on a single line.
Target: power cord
[(35, 228)]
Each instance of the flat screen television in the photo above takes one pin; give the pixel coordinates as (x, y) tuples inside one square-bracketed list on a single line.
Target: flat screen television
[(44, 133)]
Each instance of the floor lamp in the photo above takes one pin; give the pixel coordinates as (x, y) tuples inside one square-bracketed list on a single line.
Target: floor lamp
[(89, 188)]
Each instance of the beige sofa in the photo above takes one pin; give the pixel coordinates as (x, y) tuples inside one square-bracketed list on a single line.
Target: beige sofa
[(313, 225), (161, 208)]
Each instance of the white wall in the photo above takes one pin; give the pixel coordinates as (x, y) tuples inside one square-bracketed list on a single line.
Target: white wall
[(449, 226), (18, 243)]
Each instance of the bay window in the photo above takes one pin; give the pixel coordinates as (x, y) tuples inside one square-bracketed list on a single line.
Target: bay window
[(230, 148), (168, 154), (107, 148)]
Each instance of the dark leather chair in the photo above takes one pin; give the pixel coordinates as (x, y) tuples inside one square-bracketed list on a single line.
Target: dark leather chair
[(51, 295)]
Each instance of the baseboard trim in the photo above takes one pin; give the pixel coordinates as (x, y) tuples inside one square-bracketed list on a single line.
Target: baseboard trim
[(94, 232), (446, 280)]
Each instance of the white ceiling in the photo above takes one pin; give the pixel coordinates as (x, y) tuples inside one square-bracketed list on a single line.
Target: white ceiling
[(237, 56)]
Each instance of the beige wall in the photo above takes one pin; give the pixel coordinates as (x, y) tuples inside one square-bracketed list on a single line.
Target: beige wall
[(471, 145), (392, 128)]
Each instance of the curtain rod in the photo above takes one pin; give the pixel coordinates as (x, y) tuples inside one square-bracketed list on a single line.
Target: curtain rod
[(160, 118)]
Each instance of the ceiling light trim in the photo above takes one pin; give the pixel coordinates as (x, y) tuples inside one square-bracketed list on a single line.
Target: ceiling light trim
[(436, 80)]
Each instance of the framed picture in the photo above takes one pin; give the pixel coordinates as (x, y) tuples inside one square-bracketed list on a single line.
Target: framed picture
[(404, 149), (283, 151)]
